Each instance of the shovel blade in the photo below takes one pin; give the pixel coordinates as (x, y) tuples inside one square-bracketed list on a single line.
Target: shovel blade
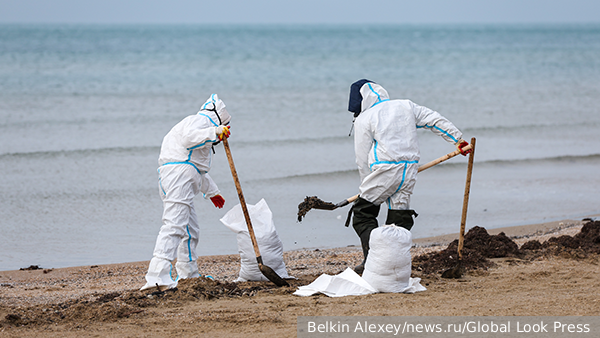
[(455, 272), (272, 275)]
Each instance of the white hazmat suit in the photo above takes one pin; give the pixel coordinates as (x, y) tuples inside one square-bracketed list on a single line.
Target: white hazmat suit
[(184, 162), (387, 155), (386, 146)]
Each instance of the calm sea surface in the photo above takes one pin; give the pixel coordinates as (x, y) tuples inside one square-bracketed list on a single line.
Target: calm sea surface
[(83, 110)]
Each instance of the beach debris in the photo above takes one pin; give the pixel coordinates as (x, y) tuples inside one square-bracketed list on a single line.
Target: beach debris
[(31, 267), (585, 242), (116, 305), (102, 306), (13, 319), (455, 272), (312, 202), (479, 246), (160, 292)]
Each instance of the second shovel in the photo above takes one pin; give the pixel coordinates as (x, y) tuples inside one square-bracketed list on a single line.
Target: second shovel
[(265, 270)]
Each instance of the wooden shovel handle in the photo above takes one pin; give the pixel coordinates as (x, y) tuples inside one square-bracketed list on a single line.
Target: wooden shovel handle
[(463, 220), (423, 167), (242, 200), (347, 201), (444, 158)]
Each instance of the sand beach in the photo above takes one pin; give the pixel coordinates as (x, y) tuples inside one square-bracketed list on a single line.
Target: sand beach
[(553, 279), (84, 108)]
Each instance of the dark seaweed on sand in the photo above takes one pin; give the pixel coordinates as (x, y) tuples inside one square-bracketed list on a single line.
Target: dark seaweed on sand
[(480, 246)]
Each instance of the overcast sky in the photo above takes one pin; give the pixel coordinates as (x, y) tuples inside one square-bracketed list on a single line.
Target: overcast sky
[(300, 11)]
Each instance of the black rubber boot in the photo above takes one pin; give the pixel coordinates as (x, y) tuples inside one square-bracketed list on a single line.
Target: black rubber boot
[(364, 241), (401, 218), (364, 221)]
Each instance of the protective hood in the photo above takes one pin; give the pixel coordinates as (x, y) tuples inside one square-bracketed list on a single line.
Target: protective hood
[(355, 101), (365, 94), (218, 106)]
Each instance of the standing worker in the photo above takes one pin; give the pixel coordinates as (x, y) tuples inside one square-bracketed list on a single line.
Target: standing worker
[(184, 162), (387, 155)]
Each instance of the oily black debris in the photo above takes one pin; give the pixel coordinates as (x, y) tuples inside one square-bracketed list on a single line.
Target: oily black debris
[(113, 306), (587, 241), (479, 247), (311, 202)]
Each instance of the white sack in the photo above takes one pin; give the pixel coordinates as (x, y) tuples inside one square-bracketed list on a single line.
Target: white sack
[(388, 265), (347, 283), (269, 244), (387, 269)]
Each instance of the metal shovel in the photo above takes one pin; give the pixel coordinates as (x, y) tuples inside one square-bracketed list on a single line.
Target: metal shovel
[(266, 271)]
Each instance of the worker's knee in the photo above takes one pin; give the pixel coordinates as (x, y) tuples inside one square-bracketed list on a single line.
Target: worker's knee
[(365, 215), (401, 218)]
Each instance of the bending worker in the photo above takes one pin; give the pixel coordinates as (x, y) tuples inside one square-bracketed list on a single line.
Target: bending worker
[(387, 155), (184, 162)]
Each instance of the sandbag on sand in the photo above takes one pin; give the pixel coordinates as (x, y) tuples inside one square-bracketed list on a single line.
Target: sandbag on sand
[(388, 265), (269, 244), (387, 269)]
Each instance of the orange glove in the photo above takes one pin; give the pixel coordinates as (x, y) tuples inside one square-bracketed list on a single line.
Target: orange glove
[(460, 145), (223, 131), (218, 201)]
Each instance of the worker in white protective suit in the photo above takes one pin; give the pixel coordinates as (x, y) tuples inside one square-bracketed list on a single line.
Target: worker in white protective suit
[(387, 155), (184, 162)]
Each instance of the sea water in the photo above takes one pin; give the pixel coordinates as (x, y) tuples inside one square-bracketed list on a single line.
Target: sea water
[(83, 110)]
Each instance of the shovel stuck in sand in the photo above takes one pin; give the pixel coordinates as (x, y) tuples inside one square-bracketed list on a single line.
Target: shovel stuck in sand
[(457, 271), (265, 270), (313, 202)]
